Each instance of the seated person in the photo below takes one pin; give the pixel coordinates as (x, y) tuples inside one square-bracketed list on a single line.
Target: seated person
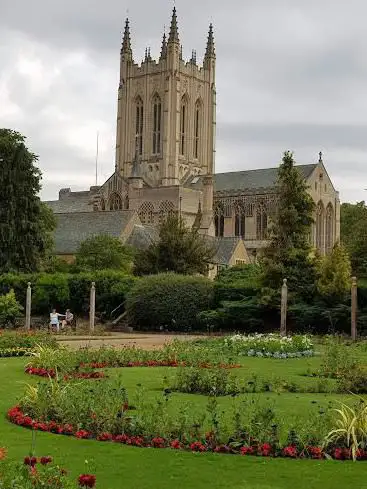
[(54, 319), (69, 318)]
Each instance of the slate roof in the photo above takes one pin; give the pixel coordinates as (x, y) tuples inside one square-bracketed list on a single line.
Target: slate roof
[(225, 247), (142, 237), (75, 202), (247, 179), (75, 227)]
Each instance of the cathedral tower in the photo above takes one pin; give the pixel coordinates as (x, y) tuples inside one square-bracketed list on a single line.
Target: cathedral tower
[(166, 112)]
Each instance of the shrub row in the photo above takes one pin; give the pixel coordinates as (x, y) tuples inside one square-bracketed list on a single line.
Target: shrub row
[(62, 291), (169, 301)]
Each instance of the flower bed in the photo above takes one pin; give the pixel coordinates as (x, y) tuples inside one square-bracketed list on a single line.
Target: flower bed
[(270, 345), (206, 444), (157, 363), (38, 472), (43, 372), (15, 352)]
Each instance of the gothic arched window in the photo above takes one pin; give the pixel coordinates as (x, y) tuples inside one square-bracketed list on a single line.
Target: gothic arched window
[(115, 202), (219, 220), (166, 209), (320, 222), (146, 213), (239, 221), (261, 222), (329, 228), (139, 125), (183, 124), (197, 122), (157, 121)]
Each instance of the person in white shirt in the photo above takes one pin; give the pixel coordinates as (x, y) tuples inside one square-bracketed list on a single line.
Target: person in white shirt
[(54, 320)]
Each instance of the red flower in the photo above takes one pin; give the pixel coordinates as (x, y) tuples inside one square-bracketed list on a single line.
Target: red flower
[(315, 452), (82, 434), (122, 439), (176, 444), (125, 406), (247, 451), (158, 442), (197, 446), (361, 454), (45, 460), (338, 453), (87, 480), (265, 450), (31, 461), (290, 451), (104, 437)]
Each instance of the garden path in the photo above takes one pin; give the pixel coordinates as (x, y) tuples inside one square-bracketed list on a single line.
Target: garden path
[(145, 341)]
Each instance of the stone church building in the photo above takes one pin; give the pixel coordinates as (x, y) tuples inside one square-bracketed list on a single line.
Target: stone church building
[(165, 163)]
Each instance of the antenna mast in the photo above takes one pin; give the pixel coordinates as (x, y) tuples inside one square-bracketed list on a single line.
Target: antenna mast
[(97, 160)]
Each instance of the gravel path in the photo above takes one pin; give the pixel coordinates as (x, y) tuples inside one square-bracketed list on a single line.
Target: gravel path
[(119, 340)]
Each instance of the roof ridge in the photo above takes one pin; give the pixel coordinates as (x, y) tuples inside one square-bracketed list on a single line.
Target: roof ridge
[(261, 169)]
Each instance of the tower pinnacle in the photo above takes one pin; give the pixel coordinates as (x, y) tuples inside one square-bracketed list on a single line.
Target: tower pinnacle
[(164, 47), (210, 49), (173, 32), (126, 51)]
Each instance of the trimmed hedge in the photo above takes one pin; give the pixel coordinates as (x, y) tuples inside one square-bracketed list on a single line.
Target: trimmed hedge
[(170, 301), (62, 290)]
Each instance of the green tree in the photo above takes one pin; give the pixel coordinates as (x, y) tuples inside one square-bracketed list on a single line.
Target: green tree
[(335, 275), (26, 224), (353, 234), (178, 249), (103, 252), (289, 253), (10, 308)]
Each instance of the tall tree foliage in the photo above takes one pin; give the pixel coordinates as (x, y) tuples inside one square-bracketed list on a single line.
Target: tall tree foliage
[(289, 254), (25, 223), (353, 234), (335, 275), (103, 252), (178, 249)]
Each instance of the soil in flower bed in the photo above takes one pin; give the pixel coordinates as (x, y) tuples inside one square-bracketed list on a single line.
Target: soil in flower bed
[(206, 444)]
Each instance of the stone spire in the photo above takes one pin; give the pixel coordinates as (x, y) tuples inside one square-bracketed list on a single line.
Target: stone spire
[(193, 57), (320, 157), (164, 47), (173, 32), (126, 51), (210, 49)]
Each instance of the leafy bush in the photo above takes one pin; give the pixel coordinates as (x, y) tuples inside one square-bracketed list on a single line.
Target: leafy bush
[(237, 283), (169, 300), (10, 309), (350, 428), (9, 339), (353, 380), (339, 359), (72, 291), (215, 382)]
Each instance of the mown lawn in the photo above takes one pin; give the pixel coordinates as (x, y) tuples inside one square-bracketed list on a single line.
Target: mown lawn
[(118, 466)]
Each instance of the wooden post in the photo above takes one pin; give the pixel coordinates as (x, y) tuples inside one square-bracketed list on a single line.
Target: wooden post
[(92, 307), (354, 305), (28, 307), (283, 309)]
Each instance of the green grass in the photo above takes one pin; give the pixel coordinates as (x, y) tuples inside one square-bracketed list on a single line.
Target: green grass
[(119, 466)]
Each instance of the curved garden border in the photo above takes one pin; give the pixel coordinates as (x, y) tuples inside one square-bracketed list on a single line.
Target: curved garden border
[(43, 372), (16, 416)]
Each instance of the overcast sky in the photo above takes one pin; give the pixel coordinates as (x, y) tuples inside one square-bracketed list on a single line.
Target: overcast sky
[(291, 74)]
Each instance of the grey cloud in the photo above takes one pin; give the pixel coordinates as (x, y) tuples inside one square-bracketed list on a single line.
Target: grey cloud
[(289, 75)]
